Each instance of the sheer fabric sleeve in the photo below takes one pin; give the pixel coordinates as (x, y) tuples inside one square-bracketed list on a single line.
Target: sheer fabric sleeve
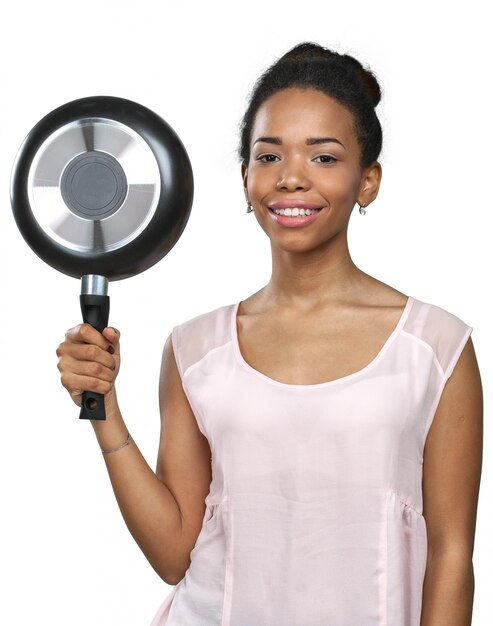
[(184, 338), (451, 340), (446, 334), (192, 341)]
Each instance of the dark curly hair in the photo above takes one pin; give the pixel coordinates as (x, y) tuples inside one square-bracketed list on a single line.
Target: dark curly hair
[(340, 76)]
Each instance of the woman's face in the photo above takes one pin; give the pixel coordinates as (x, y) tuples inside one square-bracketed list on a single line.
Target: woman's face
[(304, 154)]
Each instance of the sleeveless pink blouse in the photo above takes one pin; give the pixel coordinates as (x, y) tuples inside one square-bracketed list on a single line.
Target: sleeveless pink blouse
[(314, 514)]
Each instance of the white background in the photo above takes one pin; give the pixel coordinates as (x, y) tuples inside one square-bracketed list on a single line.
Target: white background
[(66, 555)]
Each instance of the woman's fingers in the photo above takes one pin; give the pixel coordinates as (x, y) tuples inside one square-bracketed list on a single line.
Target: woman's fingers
[(92, 369), (85, 333), (86, 352), (88, 361), (113, 336)]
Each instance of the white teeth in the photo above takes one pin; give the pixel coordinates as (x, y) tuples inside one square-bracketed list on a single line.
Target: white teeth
[(295, 212)]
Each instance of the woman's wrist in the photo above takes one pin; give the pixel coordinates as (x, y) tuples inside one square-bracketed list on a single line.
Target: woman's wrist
[(127, 441)]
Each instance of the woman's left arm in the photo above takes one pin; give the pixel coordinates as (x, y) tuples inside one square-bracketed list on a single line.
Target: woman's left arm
[(451, 478)]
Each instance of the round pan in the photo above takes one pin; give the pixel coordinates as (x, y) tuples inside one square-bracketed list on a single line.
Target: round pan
[(102, 185)]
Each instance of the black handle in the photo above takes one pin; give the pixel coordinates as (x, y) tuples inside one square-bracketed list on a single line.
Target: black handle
[(95, 311)]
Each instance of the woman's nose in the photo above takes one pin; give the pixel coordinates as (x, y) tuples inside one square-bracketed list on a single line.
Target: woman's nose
[(292, 178)]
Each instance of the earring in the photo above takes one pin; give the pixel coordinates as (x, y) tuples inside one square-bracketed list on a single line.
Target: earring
[(362, 209), (249, 204)]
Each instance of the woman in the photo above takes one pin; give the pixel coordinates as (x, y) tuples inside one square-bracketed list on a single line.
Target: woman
[(293, 486)]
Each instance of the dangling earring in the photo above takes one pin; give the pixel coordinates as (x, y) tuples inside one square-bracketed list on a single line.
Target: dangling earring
[(249, 204), (362, 209)]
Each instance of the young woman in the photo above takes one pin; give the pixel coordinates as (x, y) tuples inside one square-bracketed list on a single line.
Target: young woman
[(293, 484)]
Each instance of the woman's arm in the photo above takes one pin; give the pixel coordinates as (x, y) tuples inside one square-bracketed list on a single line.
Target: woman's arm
[(451, 478), (147, 505)]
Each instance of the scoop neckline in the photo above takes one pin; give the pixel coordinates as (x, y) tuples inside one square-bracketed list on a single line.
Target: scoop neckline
[(245, 365)]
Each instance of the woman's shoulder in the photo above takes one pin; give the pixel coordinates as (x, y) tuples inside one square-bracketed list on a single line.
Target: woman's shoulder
[(421, 313), (441, 329), (435, 314), (199, 334), (437, 328)]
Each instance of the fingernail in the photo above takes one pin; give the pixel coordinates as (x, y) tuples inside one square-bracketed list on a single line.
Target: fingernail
[(115, 330), (111, 350)]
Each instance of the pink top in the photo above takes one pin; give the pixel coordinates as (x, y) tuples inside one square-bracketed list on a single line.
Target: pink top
[(314, 514)]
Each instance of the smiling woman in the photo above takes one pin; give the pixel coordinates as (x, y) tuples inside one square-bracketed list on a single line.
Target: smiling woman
[(320, 451), (315, 164)]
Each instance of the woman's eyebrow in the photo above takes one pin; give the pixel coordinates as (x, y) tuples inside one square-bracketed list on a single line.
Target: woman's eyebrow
[(311, 141), (275, 140)]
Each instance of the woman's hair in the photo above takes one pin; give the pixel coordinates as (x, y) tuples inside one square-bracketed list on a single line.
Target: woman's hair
[(340, 76)]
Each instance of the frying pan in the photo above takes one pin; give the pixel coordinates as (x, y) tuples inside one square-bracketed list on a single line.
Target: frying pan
[(101, 189)]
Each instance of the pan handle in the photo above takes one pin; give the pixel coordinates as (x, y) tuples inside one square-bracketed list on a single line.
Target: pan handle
[(95, 311)]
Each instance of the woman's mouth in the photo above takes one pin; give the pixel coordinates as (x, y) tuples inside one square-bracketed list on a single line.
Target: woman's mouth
[(295, 211), (293, 216)]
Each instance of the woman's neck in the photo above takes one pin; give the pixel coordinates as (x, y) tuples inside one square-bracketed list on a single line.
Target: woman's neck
[(305, 279)]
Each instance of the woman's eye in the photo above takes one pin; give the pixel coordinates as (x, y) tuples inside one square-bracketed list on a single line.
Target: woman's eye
[(267, 158), (325, 158)]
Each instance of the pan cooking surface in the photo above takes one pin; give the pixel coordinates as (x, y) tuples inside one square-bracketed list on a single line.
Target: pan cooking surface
[(94, 185)]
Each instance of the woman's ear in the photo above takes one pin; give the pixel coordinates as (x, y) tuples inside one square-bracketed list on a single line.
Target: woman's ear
[(370, 184), (244, 173)]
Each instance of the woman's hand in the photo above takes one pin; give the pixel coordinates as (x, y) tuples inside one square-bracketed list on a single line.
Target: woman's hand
[(89, 360)]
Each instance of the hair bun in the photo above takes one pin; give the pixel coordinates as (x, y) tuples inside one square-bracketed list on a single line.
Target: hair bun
[(367, 78), (310, 50)]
